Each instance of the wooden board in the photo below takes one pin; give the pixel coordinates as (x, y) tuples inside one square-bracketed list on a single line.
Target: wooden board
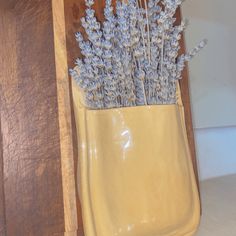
[(8, 4), (30, 128), (69, 154), (2, 198)]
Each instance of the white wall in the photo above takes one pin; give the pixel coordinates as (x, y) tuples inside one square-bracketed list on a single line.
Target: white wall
[(213, 71), (213, 84), (216, 151)]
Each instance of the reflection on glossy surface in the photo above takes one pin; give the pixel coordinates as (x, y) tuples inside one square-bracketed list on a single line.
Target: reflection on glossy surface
[(136, 177)]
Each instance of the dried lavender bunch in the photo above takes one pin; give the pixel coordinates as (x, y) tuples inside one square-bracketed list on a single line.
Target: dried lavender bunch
[(131, 59)]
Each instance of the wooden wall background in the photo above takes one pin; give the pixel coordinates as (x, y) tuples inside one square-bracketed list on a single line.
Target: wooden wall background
[(29, 117), (2, 198), (38, 153)]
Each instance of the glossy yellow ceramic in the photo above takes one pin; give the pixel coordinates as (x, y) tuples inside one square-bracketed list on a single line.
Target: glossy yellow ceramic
[(135, 173)]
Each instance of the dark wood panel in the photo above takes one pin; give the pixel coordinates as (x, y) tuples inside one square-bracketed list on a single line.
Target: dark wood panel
[(31, 143), (7, 4), (2, 198)]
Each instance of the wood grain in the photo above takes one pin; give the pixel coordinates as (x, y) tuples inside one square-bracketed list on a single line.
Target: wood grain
[(8, 4), (65, 120), (74, 9), (30, 128), (2, 197)]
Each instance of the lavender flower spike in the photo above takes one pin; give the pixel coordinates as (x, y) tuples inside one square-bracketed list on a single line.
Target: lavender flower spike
[(132, 58)]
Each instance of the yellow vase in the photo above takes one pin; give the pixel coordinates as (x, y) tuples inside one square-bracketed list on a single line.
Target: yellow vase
[(135, 173)]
